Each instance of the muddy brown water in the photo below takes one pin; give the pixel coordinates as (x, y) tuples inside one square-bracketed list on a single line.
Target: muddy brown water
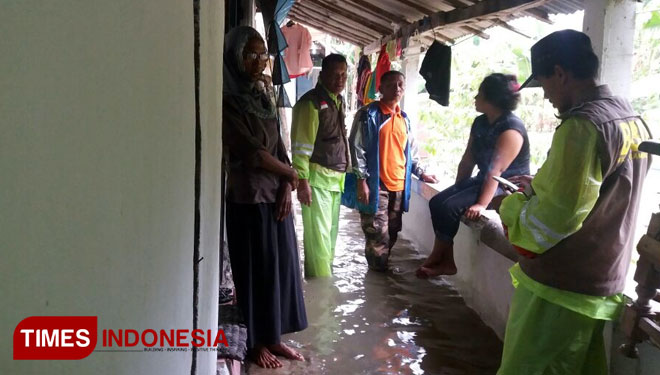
[(364, 322)]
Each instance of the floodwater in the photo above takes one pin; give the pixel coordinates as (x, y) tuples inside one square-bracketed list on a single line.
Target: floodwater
[(364, 322)]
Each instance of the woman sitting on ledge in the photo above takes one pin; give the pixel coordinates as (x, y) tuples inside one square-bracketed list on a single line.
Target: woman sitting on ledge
[(498, 145)]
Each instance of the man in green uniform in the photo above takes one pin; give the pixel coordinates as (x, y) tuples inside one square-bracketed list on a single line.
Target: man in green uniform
[(575, 230), (321, 158)]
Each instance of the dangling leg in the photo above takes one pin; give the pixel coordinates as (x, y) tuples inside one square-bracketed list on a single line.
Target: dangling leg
[(447, 207), (440, 262)]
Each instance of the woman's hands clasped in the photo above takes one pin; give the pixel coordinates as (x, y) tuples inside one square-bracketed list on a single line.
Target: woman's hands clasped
[(292, 178), (283, 204), (288, 183)]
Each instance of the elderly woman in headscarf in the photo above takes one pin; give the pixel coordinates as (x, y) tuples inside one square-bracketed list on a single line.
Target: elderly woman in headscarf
[(260, 230)]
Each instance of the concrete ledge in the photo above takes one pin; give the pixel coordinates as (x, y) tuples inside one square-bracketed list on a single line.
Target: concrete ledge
[(490, 226), (491, 233), (482, 253)]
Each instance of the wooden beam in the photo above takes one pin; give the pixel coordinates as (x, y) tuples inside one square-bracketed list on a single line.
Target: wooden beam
[(511, 28), (336, 34), (387, 6), (322, 24), (443, 38), (325, 16), (378, 12), (375, 14), (338, 11), (417, 6), (488, 7), (539, 15), (456, 17), (432, 36), (476, 31), (457, 3)]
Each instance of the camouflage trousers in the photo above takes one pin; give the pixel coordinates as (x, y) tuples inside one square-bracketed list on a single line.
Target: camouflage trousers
[(382, 229)]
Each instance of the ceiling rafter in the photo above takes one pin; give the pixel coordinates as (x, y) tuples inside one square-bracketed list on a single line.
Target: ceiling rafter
[(372, 23), (328, 30), (333, 31), (318, 22), (392, 6), (417, 6), (475, 30), (345, 22), (512, 28), (378, 12), (539, 15), (458, 3), (338, 11), (457, 18)]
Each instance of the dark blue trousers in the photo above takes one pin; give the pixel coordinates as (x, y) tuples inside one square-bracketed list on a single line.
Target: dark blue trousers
[(448, 206)]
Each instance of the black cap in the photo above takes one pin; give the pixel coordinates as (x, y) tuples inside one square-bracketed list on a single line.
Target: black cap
[(569, 49)]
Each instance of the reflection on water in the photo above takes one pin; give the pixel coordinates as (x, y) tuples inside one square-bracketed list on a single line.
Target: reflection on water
[(362, 322)]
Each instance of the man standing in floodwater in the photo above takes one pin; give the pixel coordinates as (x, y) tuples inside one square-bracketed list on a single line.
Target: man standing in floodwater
[(320, 156), (384, 156), (575, 231)]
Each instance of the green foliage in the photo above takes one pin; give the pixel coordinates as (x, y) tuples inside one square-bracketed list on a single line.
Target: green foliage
[(645, 91), (654, 21), (444, 131)]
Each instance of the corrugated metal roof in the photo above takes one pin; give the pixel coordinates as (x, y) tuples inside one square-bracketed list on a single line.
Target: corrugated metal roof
[(368, 23)]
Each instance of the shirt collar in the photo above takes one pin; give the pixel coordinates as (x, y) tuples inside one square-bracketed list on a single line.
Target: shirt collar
[(595, 93), (389, 111), (333, 96)]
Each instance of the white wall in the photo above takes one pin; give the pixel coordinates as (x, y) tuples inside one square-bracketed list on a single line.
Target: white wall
[(97, 172), (211, 40)]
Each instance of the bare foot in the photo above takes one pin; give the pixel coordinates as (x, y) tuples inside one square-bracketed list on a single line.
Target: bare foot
[(264, 358), (432, 261), (286, 352), (440, 269), (437, 255)]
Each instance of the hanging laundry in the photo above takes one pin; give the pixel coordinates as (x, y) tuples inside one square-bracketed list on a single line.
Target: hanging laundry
[(391, 50), (382, 66), (363, 65), (436, 70), (371, 89), (297, 56), (368, 85), (363, 73)]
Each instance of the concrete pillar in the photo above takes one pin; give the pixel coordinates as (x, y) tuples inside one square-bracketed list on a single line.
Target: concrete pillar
[(410, 68), (611, 26)]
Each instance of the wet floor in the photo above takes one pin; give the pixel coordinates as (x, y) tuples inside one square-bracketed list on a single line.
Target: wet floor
[(363, 322)]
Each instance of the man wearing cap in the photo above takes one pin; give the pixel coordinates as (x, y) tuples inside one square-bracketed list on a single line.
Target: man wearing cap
[(576, 229)]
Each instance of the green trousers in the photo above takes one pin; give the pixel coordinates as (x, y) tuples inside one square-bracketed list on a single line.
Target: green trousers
[(320, 223), (543, 338)]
